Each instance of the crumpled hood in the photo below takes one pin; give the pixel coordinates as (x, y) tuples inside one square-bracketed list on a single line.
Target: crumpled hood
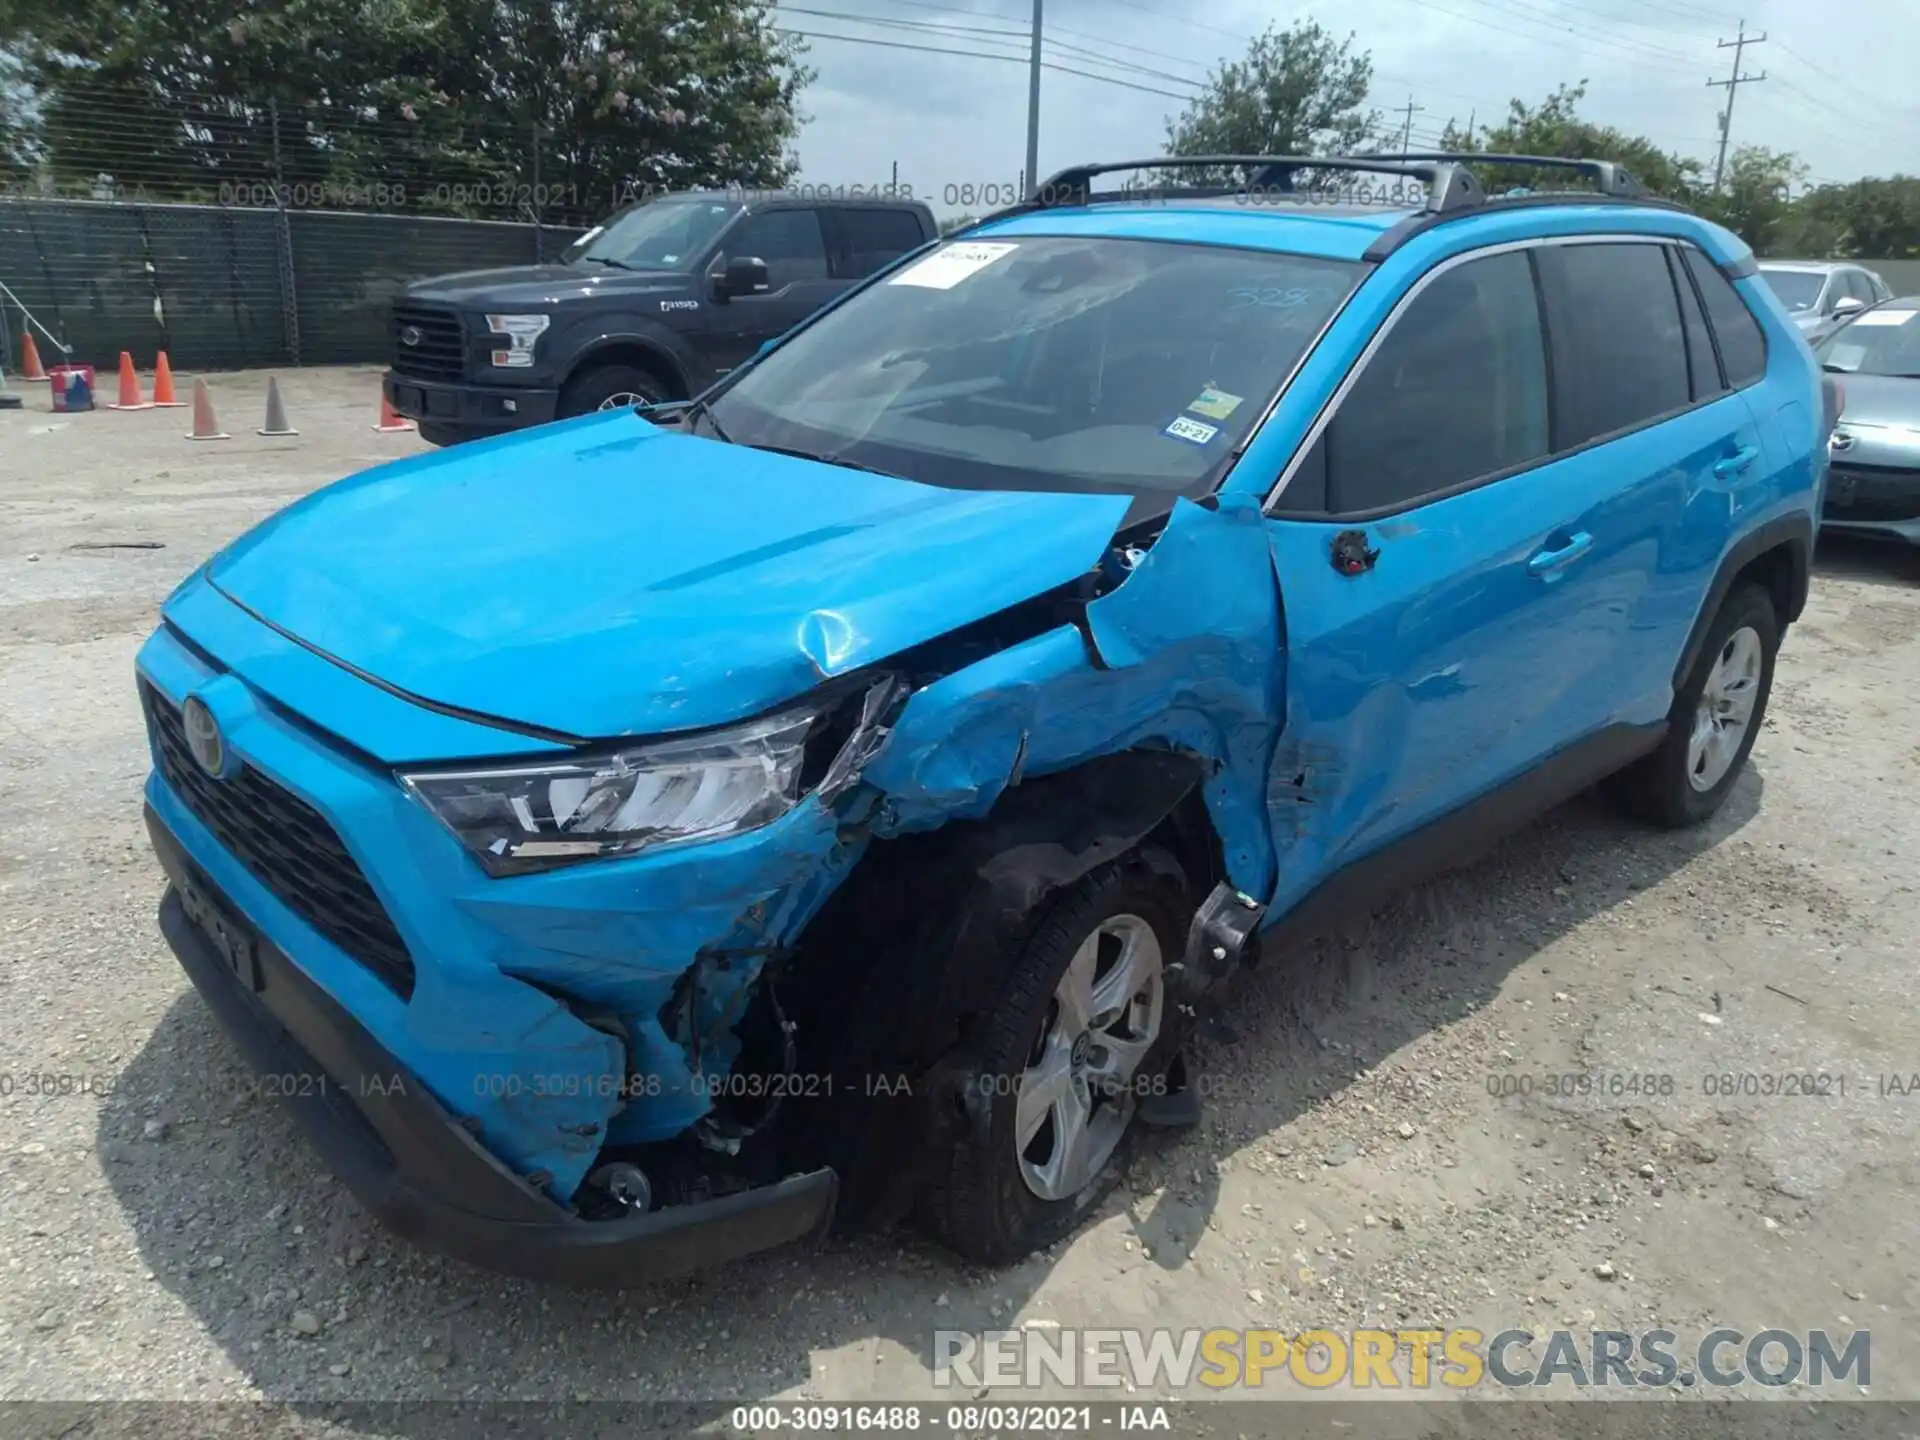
[(604, 576), (545, 285)]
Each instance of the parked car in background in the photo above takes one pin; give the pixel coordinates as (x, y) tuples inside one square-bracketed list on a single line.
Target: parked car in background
[(655, 304), (1820, 294), (1873, 484), (634, 841)]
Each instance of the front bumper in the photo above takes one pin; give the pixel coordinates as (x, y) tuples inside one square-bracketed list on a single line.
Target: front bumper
[(404, 1156), (465, 405), (1877, 502)]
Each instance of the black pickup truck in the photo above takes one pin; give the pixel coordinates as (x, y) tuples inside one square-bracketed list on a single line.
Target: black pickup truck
[(655, 304)]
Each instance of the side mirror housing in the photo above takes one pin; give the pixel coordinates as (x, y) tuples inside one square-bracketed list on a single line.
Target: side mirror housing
[(744, 275), (1848, 304)]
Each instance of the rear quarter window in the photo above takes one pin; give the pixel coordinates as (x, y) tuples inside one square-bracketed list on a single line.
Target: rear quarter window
[(1743, 349)]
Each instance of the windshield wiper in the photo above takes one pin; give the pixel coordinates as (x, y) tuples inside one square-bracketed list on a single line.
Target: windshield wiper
[(609, 260), (701, 407)]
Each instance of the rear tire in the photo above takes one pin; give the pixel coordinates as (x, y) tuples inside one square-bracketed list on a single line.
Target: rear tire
[(610, 387), (988, 1196), (1715, 719), (437, 434)]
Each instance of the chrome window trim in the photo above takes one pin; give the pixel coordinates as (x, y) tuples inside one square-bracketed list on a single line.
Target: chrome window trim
[(1332, 406)]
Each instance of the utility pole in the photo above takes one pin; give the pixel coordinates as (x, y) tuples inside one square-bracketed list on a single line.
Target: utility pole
[(1032, 177), (1406, 135), (1732, 86)]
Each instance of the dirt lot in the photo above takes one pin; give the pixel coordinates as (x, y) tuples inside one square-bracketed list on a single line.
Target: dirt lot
[(174, 1238)]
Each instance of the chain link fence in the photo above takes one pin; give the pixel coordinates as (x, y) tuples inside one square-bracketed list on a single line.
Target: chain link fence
[(232, 233)]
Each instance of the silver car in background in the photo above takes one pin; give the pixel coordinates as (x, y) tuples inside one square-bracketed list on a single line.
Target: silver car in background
[(1873, 482), (1821, 294)]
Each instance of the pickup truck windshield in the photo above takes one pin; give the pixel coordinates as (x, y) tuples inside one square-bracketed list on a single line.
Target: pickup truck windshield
[(664, 234), (1045, 363)]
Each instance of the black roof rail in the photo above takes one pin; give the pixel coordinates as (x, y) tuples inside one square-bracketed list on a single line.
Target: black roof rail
[(1449, 186), (1608, 178)]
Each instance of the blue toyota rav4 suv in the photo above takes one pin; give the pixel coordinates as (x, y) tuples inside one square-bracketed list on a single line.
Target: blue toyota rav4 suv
[(640, 838)]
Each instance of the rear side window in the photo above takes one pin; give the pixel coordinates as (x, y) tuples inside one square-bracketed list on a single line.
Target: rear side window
[(1619, 351), (870, 238), (1456, 392), (1743, 350), (1702, 366)]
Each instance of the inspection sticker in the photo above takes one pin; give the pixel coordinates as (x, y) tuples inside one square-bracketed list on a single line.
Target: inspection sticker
[(1192, 431), (1214, 404), (946, 268)]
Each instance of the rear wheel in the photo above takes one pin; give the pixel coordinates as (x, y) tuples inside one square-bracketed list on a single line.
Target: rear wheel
[(1073, 1037), (1715, 719), (611, 387)]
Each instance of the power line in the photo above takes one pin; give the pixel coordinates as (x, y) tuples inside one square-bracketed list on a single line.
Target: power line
[(973, 55), (1732, 86)]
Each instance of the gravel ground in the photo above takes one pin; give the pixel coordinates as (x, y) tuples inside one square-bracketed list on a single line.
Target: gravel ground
[(174, 1238)]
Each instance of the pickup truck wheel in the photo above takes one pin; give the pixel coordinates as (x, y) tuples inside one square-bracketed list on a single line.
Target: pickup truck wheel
[(1715, 719), (437, 434), (611, 387), (1060, 1066)]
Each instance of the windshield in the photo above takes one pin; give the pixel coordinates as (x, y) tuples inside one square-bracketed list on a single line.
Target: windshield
[(1880, 342), (1797, 289), (1046, 362), (654, 235)]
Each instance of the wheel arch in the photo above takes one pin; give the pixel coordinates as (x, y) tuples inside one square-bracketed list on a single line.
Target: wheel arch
[(647, 353), (1778, 556)]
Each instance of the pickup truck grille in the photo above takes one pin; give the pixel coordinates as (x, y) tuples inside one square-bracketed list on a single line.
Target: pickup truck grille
[(287, 845), (428, 342)]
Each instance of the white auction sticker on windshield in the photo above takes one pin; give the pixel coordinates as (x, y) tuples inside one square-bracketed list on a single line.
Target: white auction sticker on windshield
[(946, 268), (1886, 317)]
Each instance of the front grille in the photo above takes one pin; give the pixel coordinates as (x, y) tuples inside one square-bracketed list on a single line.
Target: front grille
[(439, 348), (1865, 492), (286, 845)]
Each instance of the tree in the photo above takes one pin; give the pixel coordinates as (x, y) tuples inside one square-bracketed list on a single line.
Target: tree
[(1754, 198), (1866, 220), (1298, 91), (459, 105), (1554, 127)]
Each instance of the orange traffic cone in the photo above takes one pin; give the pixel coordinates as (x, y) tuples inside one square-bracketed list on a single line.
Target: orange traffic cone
[(163, 396), (205, 427), (276, 412), (390, 421), (129, 387), (30, 367)]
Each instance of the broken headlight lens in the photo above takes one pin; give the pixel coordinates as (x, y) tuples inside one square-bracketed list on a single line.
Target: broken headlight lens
[(517, 818)]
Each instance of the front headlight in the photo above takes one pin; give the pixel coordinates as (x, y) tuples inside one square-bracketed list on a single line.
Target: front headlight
[(521, 331), (532, 817)]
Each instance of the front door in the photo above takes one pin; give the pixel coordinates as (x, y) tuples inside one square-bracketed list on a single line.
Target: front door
[(794, 248), (1444, 578)]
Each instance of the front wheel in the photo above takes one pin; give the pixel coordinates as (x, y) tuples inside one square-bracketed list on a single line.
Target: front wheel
[(611, 387), (1715, 719), (1064, 1056)]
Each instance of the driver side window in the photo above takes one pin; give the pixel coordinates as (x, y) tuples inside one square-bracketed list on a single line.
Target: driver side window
[(788, 240)]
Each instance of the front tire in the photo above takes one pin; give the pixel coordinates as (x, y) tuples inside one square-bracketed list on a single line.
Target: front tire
[(1715, 719), (1079, 1027), (610, 387)]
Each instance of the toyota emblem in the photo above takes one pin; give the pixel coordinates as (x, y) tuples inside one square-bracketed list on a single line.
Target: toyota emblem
[(204, 741), (411, 335)]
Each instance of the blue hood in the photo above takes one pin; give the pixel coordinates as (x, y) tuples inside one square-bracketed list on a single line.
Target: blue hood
[(604, 576)]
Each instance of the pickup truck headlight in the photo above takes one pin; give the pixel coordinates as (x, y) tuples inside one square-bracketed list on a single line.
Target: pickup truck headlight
[(521, 331), (516, 818)]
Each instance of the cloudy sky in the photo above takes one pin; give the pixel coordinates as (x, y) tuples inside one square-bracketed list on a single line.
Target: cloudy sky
[(1839, 90)]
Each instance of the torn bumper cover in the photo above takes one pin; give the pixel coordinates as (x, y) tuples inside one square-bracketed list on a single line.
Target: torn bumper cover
[(404, 1155)]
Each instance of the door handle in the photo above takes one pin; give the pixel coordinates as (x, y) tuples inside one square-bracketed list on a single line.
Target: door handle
[(1736, 463), (1545, 562)]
